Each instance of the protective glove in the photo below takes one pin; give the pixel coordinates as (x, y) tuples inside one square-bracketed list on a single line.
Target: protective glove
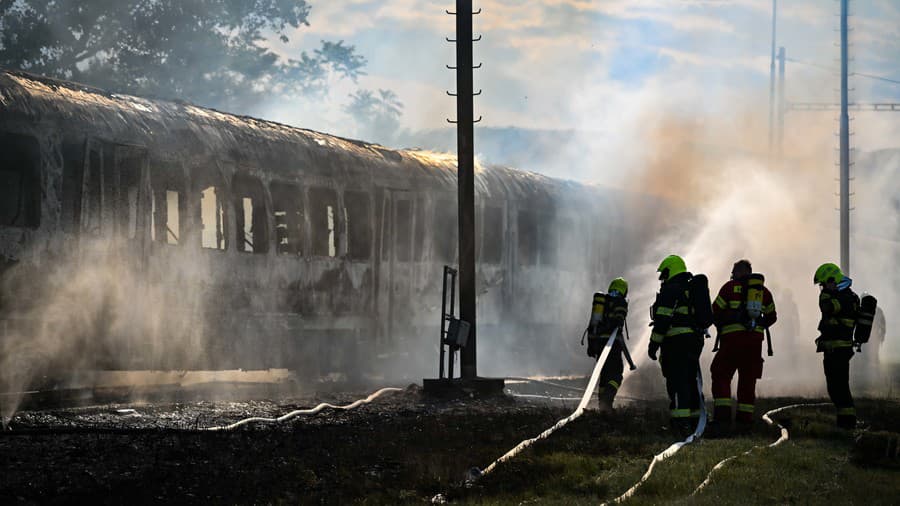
[(653, 349)]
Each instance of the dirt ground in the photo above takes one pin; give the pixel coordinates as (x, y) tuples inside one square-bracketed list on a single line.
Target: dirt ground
[(401, 448)]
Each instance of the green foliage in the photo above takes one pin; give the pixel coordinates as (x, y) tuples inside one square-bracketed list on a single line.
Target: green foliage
[(211, 52), (377, 114)]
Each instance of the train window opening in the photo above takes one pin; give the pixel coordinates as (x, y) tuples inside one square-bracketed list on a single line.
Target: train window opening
[(73, 170), (528, 238), (446, 228), (323, 222), (250, 213), (131, 202), (420, 230), (92, 196), (492, 235), (288, 213), (245, 215), (173, 222), (167, 206), (110, 210), (571, 244), (212, 217), (549, 241), (20, 181), (358, 213), (129, 164), (403, 230)]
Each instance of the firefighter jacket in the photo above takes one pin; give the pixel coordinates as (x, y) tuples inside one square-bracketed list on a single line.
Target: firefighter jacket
[(614, 316), (671, 313), (839, 313), (730, 314)]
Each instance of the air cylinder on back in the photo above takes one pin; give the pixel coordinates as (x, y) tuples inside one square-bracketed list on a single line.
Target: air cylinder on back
[(864, 318), (597, 311)]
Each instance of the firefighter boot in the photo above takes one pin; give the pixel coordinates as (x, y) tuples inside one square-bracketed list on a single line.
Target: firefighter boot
[(717, 429), (743, 427), (605, 399), (681, 427), (846, 418)]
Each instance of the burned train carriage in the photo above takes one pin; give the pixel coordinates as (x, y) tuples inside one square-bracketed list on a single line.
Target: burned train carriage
[(143, 234)]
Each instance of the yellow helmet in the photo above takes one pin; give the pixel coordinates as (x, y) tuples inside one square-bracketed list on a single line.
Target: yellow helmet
[(618, 285), (827, 272), (672, 265)]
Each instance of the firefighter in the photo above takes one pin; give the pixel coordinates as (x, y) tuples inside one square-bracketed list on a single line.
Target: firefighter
[(616, 310), (742, 312), (839, 306), (676, 335)]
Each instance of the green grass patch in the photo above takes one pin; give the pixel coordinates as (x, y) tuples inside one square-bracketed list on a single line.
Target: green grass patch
[(597, 458)]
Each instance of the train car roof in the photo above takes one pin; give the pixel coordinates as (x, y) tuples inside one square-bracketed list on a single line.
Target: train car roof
[(180, 128)]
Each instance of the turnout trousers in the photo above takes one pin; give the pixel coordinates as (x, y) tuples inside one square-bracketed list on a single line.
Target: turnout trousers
[(611, 374), (739, 352), (837, 378), (680, 362)]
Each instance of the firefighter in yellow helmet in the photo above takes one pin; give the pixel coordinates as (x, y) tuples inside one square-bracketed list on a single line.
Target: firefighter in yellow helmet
[(615, 312), (839, 307), (678, 332)]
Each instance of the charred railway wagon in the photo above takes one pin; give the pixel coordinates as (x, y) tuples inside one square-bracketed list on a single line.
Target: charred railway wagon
[(188, 238)]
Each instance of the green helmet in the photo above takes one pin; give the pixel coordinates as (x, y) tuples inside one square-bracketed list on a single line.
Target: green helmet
[(672, 265), (619, 285), (827, 272)]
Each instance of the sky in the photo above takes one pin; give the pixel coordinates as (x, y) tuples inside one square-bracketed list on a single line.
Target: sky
[(592, 65), (662, 96)]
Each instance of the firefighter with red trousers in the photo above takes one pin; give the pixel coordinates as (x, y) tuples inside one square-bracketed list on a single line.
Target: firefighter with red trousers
[(840, 310), (743, 311)]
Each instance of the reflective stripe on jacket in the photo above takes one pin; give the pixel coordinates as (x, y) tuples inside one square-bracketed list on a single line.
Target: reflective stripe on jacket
[(729, 314), (671, 311), (839, 313)]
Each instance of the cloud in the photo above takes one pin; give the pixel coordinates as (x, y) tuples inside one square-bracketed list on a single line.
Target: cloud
[(538, 55)]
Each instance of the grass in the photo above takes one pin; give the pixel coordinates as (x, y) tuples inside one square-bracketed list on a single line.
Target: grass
[(579, 466)]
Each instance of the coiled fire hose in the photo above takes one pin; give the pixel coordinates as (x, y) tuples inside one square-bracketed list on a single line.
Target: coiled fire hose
[(671, 450), (585, 398), (784, 436), (311, 411)]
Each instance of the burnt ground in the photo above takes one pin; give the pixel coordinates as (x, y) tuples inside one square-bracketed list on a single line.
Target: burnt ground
[(401, 448)]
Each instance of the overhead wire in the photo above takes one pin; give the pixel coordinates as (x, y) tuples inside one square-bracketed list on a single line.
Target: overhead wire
[(832, 69)]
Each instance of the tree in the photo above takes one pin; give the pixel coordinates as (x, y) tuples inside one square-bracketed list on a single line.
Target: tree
[(378, 115), (211, 52)]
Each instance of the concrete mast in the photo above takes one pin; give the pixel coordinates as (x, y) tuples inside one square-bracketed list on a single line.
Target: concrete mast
[(466, 181), (844, 147)]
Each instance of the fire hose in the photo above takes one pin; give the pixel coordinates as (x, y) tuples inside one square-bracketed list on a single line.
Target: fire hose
[(544, 382), (545, 397), (671, 450), (585, 398), (783, 436), (311, 411)]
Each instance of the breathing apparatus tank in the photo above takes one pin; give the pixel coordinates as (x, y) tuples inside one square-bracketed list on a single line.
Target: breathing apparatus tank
[(864, 318), (754, 289), (598, 309)]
